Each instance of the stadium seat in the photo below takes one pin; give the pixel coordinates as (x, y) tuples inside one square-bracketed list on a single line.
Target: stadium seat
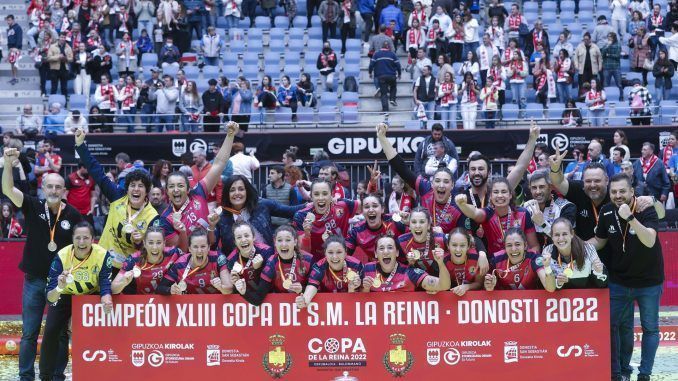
[(349, 99), (293, 71), (211, 72), (315, 34), (191, 70), (282, 21), (78, 101), (352, 58), (149, 60), (255, 46), (510, 112), (534, 111), (566, 7), (255, 34), (295, 45), (354, 45), (296, 34), (57, 98), (236, 34), (299, 21), (305, 115), (328, 99), (170, 70), (314, 47), (335, 44), (530, 6), (262, 22), (315, 21), (277, 34), (283, 115), (349, 115), (231, 71), (612, 93), (237, 47), (250, 59), (327, 115)]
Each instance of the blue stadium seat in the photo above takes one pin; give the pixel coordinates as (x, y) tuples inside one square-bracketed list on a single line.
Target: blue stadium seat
[(534, 111), (566, 7), (530, 6), (283, 115), (293, 71), (254, 34), (612, 93), (354, 45), (305, 115), (170, 70), (57, 98), (315, 21), (335, 44), (191, 70), (548, 7), (211, 72), (349, 115), (314, 47), (236, 34), (149, 60), (296, 34), (315, 33), (262, 22), (277, 34), (251, 59), (78, 101), (282, 21), (230, 71), (327, 115), (251, 72), (237, 47), (328, 99), (349, 99), (299, 21), (256, 46), (509, 112), (277, 46)]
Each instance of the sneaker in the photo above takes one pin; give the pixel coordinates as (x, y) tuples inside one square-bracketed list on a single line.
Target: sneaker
[(394, 103), (377, 93), (642, 377)]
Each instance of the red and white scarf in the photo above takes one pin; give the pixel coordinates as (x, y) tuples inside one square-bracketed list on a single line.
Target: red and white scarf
[(447, 88), (432, 37), (648, 164), (563, 67), (421, 16), (657, 20), (458, 32), (129, 101), (537, 38), (495, 72), (666, 155), (490, 99), (532, 166), (107, 91), (596, 97), (514, 23), (471, 96), (338, 191), (326, 58), (414, 36), (517, 69)]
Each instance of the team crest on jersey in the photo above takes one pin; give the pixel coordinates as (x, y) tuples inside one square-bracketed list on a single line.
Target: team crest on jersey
[(467, 223), (339, 212), (276, 361), (65, 225), (398, 360), (472, 270), (141, 225), (196, 204)]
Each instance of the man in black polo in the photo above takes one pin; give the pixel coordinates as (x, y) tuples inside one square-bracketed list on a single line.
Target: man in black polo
[(49, 225), (636, 269)]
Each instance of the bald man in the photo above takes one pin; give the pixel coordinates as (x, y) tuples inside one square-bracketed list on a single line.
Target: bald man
[(595, 156), (49, 225)]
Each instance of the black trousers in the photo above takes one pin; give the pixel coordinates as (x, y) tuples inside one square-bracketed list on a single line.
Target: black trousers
[(311, 9), (346, 32), (388, 88), (59, 77), (210, 123), (56, 326)]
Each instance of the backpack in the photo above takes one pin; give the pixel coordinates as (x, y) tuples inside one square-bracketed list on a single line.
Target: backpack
[(637, 104), (350, 84)]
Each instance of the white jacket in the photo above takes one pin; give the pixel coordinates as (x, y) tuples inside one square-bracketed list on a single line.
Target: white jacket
[(106, 101), (672, 43), (232, 7), (211, 45), (618, 8)]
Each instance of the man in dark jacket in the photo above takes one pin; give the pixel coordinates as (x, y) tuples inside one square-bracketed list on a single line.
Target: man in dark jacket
[(650, 174), (385, 65), (14, 42), (366, 9), (427, 148), (214, 108)]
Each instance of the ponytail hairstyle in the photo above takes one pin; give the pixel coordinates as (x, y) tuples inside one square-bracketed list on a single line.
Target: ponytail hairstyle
[(421, 209), (503, 180), (578, 246), (297, 252), (151, 229)]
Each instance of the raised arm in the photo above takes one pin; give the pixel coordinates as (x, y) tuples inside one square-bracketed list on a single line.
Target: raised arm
[(8, 188), (214, 174), (556, 173), (109, 188), (442, 282), (396, 162), (524, 159), (469, 211)]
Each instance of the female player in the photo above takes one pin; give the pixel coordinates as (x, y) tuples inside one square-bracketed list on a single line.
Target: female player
[(578, 265), (144, 269), (418, 245), (334, 273), (386, 274), (463, 265), (285, 272), (516, 268), (364, 234), (200, 271), (247, 260)]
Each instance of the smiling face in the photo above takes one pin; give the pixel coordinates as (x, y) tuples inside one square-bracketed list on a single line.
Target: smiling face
[(501, 195), (321, 197), (285, 244), (82, 241), (154, 243), (419, 225), (561, 234), (458, 247), (199, 248), (335, 254), (387, 253), (515, 248), (136, 192), (372, 211), (478, 172), (177, 190), (244, 240), (237, 194), (595, 183), (540, 190), (621, 193), (442, 183)]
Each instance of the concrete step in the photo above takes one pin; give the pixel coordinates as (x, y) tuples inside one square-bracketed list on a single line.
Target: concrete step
[(16, 108), (374, 104), (6, 93), (367, 89), (25, 83)]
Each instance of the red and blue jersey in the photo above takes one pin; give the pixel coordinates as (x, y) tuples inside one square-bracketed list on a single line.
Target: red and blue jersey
[(495, 226), (151, 275), (522, 276), (335, 223), (405, 279), (465, 273), (362, 236), (271, 272), (406, 244), (447, 216), (193, 215), (249, 273), (198, 281), (326, 280)]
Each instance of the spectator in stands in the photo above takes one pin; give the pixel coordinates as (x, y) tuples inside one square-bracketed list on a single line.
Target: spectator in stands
[(127, 56), (426, 91), (439, 159), (144, 45), (243, 164), (160, 172), (59, 56), (391, 13), (517, 72), (378, 40), (385, 66), (672, 42), (562, 66), (106, 96), (287, 95), (166, 97), (9, 224), (279, 190), (268, 6), (496, 32), (419, 64), (563, 43), (125, 166), (145, 13), (191, 107), (641, 53), (595, 99), (83, 80), (180, 81), (617, 158), (443, 62), (98, 122), (128, 96), (329, 12), (499, 74), (168, 13), (619, 140), (654, 21), (414, 40), (53, 122), (347, 20), (366, 10), (470, 65), (42, 64), (595, 155), (485, 53), (419, 13), (45, 163), (75, 121), (224, 86), (471, 38), (575, 168), (94, 40), (619, 9), (611, 53), (305, 91), (496, 8), (663, 76), (213, 107), (571, 116), (15, 37), (587, 60), (232, 13), (426, 148), (80, 191), (601, 32), (636, 22), (455, 37), (326, 64), (640, 101), (210, 46), (447, 100), (28, 123), (157, 199), (266, 95), (100, 65), (144, 103), (489, 95), (650, 174), (241, 105), (515, 22), (194, 12), (468, 99), (169, 55), (442, 17)]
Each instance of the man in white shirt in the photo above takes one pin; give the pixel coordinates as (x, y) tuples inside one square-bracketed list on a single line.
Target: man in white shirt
[(485, 53), (75, 121), (243, 164), (471, 38), (28, 123)]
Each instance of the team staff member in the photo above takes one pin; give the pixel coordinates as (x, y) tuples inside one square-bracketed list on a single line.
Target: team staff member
[(364, 234), (144, 269), (516, 268), (129, 214), (82, 268), (545, 206), (386, 274), (188, 209), (636, 275), (49, 225), (285, 272)]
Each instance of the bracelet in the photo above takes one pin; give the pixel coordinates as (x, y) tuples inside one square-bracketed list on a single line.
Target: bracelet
[(210, 229), (631, 218)]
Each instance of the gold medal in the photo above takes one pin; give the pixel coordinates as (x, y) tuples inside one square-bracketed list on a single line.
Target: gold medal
[(182, 286), (376, 283), (416, 254), (237, 268), (218, 210), (396, 217), (176, 216), (128, 228), (136, 271), (326, 235), (51, 246), (351, 275), (287, 283), (568, 272), (70, 278)]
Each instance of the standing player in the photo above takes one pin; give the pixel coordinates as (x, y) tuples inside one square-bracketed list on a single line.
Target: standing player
[(463, 265), (200, 271), (188, 209), (144, 269), (246, 261), (364, 234), (418, 245), (386, 274)]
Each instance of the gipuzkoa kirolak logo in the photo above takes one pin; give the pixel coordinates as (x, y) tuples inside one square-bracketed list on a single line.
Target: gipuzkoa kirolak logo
[(276, 361), (398, 360)]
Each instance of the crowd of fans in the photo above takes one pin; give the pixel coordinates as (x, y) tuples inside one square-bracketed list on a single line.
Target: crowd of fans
[(524, 63)]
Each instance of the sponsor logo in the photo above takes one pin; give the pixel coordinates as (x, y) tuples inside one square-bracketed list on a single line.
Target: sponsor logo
[(178, 147), (571, 351), (90, 356), (276, 361), (354, 146), (213, 355), (156, 359), (543, 138), (199, 145), (452, 356), (138, 357), (611, 229), (398, 360), (560, 142), (510, 352), (433, 356), (333, 345)]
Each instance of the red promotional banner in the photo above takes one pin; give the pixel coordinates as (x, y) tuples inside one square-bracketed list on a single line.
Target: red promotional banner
[(526, 335)]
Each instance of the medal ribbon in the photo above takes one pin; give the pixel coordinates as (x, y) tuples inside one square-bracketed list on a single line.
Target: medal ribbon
[(249, 258), (626, 230), (73, 268), (291, 273), (508, 223), (390, 276), (336, 278), (52, 229), (131, 217), (435, 209), (182, 207), (188, 270)]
